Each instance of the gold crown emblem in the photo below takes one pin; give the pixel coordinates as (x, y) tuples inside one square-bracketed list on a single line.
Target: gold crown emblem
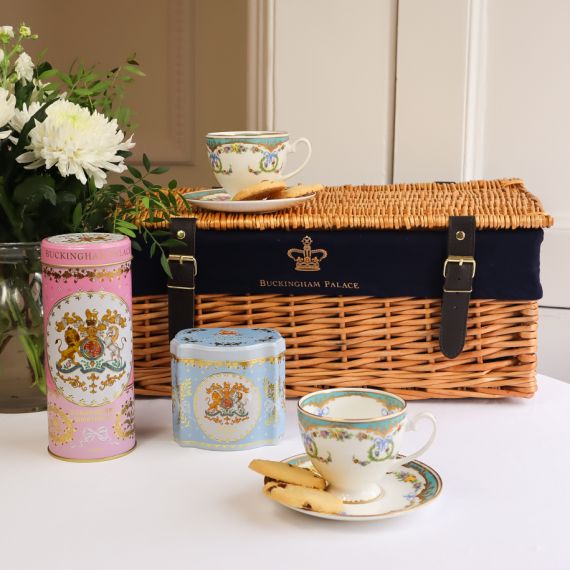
[(307, 259), (91, 317)]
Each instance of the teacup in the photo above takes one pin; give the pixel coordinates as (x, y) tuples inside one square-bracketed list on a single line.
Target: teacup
[(352, 437), (241, 159)]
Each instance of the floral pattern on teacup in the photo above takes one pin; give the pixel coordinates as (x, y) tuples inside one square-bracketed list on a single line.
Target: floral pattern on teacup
[(381, 449), (269, 161), (216, 163), (410, 478), (313, 450)]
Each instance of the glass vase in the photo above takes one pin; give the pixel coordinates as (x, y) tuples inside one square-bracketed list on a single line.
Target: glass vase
[(22, 376)]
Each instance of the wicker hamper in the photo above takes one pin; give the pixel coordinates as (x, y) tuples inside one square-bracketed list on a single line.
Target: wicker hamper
[(357, 340)]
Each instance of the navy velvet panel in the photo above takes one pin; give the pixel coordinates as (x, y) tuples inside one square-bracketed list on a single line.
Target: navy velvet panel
[(370, 262)]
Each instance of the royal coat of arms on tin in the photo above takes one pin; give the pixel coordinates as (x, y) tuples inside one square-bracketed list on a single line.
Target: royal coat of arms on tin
[(89, 350)]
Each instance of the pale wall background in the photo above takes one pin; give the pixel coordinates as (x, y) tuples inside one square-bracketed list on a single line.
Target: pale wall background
[(387, 91), (194, 59)]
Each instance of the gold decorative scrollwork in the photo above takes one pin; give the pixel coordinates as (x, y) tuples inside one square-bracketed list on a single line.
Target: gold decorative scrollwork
[(179, 395), (60, 426), (124, 426), (75, 274), (73, 381)]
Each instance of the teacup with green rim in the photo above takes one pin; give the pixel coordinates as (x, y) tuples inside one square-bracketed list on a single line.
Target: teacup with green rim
[(244, 158), (353, 435)]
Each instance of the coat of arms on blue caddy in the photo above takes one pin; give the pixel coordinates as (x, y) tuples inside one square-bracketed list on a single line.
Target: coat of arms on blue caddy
[(227, 402)]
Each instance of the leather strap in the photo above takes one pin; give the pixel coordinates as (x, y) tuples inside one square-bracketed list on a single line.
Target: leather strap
[(184, 268), (458, 270)]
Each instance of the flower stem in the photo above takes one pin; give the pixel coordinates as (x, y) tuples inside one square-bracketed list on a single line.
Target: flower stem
[(28, 330), (10, 213)]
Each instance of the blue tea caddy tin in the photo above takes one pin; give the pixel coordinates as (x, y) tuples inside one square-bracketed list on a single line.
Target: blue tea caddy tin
[(228, 388)]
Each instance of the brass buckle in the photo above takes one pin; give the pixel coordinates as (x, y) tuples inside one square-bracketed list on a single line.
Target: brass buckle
[(461, 260), (183, 259)]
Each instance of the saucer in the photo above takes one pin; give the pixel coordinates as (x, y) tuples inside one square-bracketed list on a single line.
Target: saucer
[(250, 206), (410, 487)]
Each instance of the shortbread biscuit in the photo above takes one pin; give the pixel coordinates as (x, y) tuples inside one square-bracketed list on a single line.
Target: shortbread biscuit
[(303, 497), (260, 191), (288, 473), (297, 191)]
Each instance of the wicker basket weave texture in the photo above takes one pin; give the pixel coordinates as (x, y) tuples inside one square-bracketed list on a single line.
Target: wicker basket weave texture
[(389, 343), (362, 341), (496, 204)]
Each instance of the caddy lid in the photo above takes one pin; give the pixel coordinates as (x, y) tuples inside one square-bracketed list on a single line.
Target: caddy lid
[(227, 343), (85, 249)]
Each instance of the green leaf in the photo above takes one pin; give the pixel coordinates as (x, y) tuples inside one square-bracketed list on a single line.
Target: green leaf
[(146, 162), (127, 180), (150, 185), (100, 86), (77, 215), (134, 70), (65, 197), (152, 249), (48, 73), (173, 201), (159, 170), (118, 187), (126, 231), (146, 202), (172, 184), (164, 263), (34, 190), (66, 79), (84, 92), (136, 245), (127, 224), (136, 173)]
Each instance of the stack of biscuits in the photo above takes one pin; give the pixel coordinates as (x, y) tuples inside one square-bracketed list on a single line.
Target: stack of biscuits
[(276, 190), (296, 487)]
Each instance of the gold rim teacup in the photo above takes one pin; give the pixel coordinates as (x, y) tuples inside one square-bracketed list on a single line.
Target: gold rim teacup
[(244, 158), (353, 436)]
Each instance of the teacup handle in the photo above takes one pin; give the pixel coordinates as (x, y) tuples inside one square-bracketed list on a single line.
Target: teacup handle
[(412, 427), (292, 148)]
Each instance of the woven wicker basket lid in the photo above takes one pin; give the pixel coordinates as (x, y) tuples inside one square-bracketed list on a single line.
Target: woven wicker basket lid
[(496, 204)]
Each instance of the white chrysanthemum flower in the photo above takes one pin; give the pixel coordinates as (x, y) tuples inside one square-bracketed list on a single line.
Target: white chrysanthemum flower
[(23, 115), (7, 109), (24, 68), (6, 32), (1, 54), (77, 142)]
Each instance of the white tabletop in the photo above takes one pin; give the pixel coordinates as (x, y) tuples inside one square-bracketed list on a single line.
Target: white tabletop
[(505, 502)]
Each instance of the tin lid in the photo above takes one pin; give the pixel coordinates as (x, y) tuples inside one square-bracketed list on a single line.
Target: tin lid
[(85, 249), (227, 344)]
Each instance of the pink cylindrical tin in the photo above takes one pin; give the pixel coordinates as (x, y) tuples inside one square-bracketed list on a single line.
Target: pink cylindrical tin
[(88, 345)]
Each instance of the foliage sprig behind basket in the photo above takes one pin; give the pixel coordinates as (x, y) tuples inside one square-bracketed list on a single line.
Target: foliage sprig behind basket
[(61, 134)]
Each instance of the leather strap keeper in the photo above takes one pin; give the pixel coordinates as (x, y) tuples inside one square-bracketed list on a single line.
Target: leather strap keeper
[(458, 270), (184, 268)]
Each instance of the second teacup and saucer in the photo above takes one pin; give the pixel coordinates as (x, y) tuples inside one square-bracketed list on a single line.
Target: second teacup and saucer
[(405, 490), (352, 438), (240, 159)]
